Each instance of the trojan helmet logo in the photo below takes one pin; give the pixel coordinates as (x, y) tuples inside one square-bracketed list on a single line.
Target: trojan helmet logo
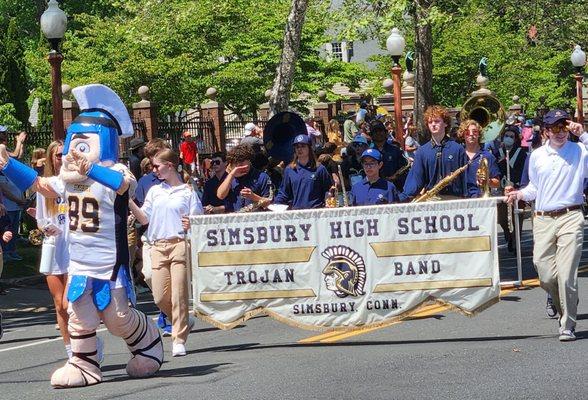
[(345, 271)]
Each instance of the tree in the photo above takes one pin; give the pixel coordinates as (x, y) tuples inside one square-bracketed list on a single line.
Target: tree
[(15, 80), (280, 97)]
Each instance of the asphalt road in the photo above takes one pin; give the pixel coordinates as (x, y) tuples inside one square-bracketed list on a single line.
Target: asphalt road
[(509, 351)]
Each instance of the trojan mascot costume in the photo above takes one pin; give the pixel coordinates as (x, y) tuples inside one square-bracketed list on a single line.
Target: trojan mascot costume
[(97, 192)]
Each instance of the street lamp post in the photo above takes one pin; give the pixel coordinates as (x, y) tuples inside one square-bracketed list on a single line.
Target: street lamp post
[(395, 45), (578, 59), (53, 25)]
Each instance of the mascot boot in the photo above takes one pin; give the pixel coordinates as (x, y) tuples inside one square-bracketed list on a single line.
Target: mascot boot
[(138, 331), (83, 368)]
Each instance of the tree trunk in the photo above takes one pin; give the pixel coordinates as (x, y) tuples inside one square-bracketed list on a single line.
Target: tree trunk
[(424, 66), (280, 97)]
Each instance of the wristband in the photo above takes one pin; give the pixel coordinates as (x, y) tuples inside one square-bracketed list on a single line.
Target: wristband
[(106, 176), (20, 174)]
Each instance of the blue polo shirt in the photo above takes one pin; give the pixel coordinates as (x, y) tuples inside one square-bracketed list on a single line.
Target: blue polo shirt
[(259, 182), (146, 182), (494, 171), (209, 193), (392, 157), (304, 187), (433, 162), (381, 191)]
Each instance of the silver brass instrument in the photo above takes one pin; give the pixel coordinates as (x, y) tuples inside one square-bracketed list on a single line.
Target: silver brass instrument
[(258, 205), (345, 198), (509, 207)]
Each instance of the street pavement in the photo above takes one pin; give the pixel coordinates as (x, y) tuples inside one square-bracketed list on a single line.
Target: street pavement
[(509, 351)]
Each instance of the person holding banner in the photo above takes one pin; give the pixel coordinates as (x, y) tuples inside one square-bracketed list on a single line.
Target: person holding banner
[(557, 171), (244, 187), (305, 183), (166, 209), (373, 189), (437, 159)]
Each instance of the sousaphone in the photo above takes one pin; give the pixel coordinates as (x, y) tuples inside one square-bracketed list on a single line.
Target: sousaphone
[(279, 134)]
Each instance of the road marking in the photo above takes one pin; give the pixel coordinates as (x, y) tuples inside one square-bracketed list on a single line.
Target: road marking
[(22, 346), (427, 311)]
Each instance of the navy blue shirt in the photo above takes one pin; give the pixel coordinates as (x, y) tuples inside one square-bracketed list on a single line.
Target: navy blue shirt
[(472, 171), (143, 185), (209, 194), (259, 183), (392, 157), (381, 191), (304, 187), (433, 162)]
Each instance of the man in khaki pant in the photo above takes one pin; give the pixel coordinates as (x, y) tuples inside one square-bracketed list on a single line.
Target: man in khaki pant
[(556, 172)]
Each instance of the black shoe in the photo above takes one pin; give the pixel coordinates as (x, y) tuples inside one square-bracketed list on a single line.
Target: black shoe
[(550, 309)]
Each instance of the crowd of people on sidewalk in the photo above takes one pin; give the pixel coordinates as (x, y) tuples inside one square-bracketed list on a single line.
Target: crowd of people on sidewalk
[(531, 159)]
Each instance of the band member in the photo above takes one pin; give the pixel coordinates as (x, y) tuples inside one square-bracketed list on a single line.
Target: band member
[(373, 189), (305, 184), (392, 156), (437, 159), (212, 204), (557, 171), (244, 185), (469, 134)]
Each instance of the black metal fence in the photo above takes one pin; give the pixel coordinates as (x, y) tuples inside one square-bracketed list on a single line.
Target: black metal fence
[(201, 129), (234, 130)]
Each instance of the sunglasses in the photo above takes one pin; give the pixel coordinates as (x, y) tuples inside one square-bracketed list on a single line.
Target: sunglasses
[(216, 162), (556, 128), (359, 144)]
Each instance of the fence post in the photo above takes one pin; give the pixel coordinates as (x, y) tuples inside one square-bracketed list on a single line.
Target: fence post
[(264, 109), (70, 107), (216, 112), (324, 110), (146, 110)]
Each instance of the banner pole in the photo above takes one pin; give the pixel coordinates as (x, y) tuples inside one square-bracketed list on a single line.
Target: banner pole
[(517, 227)]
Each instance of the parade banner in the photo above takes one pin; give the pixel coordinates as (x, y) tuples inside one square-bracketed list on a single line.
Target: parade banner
[(345, 268)]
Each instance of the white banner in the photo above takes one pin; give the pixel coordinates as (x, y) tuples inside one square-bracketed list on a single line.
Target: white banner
[(345, 268)]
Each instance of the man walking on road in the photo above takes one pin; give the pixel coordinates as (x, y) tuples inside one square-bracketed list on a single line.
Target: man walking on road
[(556, 172)]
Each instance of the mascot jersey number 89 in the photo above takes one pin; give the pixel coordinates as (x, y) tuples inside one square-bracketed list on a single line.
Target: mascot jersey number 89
[(97, 192)]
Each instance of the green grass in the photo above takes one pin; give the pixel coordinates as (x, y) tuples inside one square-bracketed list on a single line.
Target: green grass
[(29, 266)]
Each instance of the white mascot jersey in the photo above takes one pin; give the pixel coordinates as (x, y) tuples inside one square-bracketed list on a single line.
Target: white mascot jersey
[(96, 241)]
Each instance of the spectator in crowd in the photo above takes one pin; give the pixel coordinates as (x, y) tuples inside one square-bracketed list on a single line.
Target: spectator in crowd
[(349, 128), (244, 186), (253, 138), (411, 144), (38, 160), (189, 154), (392, 156), (311, 128), (211, 203), (305, 183), (19, 142), (166, 210), (334, 132), (437, 159), (136, 154), (469, 134), (557, 172), (373, 189)]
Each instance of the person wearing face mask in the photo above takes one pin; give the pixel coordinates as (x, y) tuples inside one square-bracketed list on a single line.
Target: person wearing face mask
[(469, 134), (437, 159), (557, 171), (511, 163)]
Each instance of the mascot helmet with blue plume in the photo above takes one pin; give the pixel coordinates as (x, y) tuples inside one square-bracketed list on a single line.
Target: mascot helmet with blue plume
[(102, 113)]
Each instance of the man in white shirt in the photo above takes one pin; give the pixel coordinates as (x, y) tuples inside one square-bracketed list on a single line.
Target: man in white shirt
[(556, 172)]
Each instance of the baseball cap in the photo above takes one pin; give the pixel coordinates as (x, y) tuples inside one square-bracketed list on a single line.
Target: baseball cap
[(3, 128), (186, 134), (249, 128), (302, 139), (554, 116), (373, 153), (137, 142), (529, 123), (360, 139)]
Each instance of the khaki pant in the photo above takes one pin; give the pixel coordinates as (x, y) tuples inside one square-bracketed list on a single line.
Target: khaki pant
[(170, 284), (556, 253)]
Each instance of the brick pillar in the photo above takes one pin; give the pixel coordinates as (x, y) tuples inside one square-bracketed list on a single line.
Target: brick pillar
[(70, 107), (350, 104), (146, 111), (216, 112), (264, 109), (387, 100), (324, 110)]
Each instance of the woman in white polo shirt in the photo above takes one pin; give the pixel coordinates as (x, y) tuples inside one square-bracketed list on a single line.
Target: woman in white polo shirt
[(164, 209)]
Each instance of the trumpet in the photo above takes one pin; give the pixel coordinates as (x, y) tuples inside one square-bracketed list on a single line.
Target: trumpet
[(428, 195)]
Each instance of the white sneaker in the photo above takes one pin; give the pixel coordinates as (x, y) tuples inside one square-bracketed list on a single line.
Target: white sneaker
[(567, 335), (100, 349), (178, 350)]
